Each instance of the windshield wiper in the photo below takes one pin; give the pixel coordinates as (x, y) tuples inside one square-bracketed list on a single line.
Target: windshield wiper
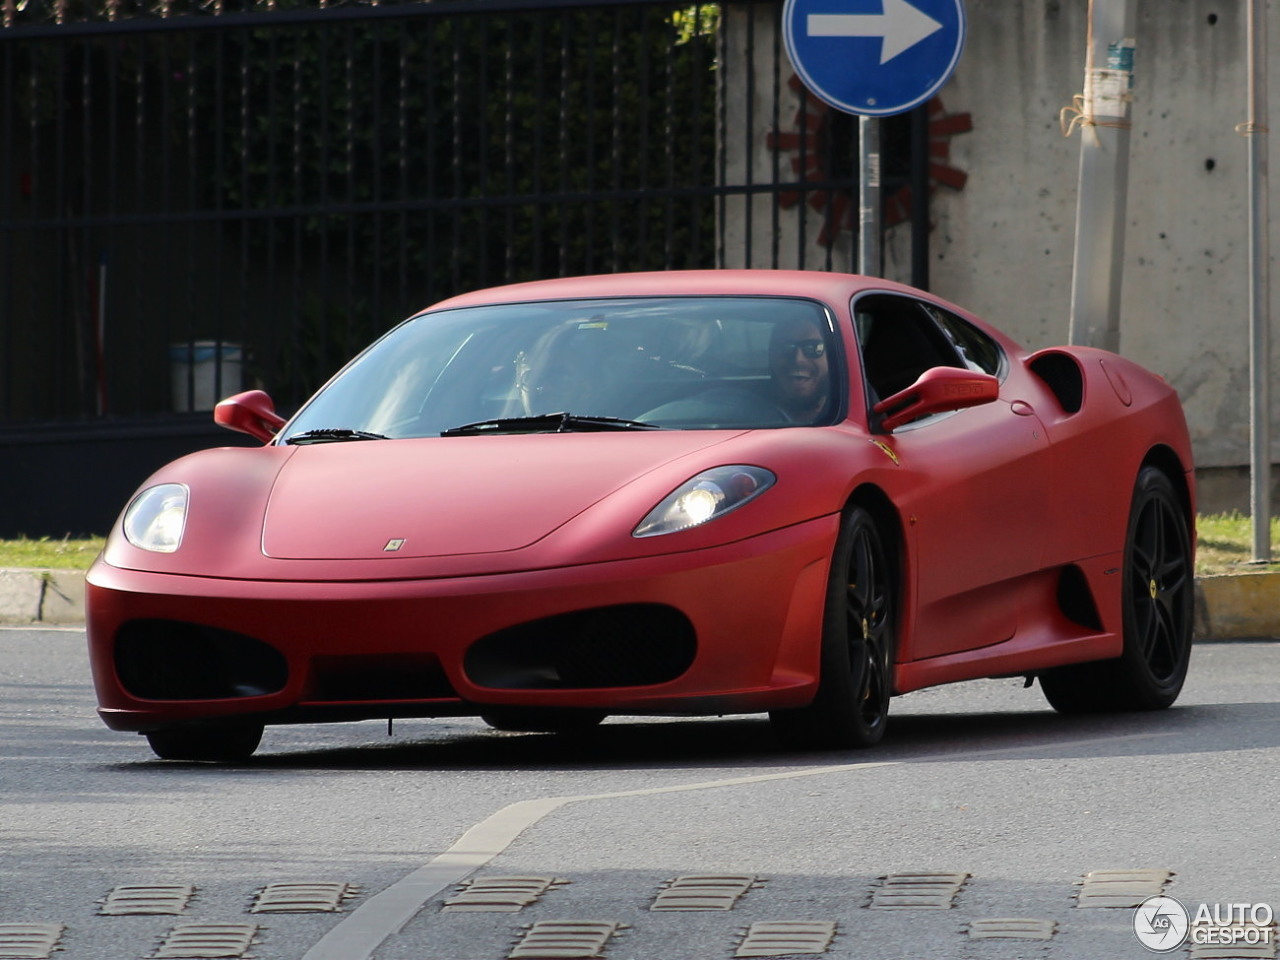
[(334, 435), (547, 423)]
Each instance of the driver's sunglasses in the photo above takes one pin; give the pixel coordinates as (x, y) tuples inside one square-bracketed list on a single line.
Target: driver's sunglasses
[(812, 349)]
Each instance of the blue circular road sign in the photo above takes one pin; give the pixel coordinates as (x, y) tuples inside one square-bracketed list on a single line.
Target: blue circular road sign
[(876, 58)]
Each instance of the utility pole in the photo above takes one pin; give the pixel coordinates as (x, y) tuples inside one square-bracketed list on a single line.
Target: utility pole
[(1255, 129), (1103, 119)]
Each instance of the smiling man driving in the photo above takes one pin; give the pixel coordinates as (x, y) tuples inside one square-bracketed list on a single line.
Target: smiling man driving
[(799, 367)]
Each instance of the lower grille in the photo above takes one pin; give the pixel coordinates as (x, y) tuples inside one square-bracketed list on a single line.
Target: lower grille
[(365, 677), (630, 645)]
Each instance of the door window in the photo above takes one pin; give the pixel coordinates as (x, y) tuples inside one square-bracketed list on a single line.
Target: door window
[(900, 340)]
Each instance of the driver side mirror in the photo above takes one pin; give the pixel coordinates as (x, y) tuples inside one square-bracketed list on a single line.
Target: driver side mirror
[(938, 390), (251, 412)]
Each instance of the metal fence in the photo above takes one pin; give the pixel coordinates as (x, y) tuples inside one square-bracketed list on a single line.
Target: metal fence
[(231, 198)]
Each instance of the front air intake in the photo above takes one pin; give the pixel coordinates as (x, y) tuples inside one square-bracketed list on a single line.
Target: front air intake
[(175, 660), (630, 645)]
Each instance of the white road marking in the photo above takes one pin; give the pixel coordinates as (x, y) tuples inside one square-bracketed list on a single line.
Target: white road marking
[(386, 913)]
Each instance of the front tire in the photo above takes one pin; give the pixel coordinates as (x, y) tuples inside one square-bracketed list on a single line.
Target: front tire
[(851, 707), (542, 720), (1158, 614), (219, 744)]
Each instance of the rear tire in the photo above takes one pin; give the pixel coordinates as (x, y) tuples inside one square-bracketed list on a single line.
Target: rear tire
[(851, 707), (1158, 614), (221, 744)]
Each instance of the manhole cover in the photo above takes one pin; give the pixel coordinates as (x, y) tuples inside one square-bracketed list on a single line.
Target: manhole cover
[(929, 891), (1238, 941), (565, 939), (1121, 888), (780, 938), (29, 941), (703, 892), (500, 894), (143, 899), (1012, 928), (323, 897), (204, 941)]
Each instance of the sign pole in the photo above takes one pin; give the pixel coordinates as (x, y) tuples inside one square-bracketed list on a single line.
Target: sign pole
[(873, 64), (869, 216)]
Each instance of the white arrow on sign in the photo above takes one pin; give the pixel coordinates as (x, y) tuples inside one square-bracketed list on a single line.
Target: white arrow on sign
[(900, 25)]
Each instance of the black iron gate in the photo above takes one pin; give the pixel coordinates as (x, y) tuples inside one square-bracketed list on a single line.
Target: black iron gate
[(196, 201)]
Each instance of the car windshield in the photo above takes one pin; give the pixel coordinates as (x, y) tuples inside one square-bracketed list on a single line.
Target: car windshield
[(644, 363)]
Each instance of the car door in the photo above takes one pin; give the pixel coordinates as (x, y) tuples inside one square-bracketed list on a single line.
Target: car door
[(975, 481)]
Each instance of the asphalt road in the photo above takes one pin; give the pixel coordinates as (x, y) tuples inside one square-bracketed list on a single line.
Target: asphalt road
[(980, 780)]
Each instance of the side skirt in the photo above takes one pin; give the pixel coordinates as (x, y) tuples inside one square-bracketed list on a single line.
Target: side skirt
[(1068, 614), (1027, 652)]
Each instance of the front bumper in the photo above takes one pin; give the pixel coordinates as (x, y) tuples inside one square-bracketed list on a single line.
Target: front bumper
[(353, 649)]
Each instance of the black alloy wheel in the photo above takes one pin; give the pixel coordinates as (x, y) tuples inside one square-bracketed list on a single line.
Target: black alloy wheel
[(1158, 613), (1159, 589), (542, 719), (851, 707), (222, 743)]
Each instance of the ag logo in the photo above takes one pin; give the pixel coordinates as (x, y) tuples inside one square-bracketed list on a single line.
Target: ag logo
[(1161, 923)]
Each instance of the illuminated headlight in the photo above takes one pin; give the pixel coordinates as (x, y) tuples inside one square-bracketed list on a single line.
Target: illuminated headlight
[(710, 494), (156, 518)]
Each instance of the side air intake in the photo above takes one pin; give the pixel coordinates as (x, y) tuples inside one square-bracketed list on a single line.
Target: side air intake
[(1075, 599), (1061, 373)]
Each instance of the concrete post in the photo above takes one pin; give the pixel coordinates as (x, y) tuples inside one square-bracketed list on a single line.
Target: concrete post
[(1103, 119)]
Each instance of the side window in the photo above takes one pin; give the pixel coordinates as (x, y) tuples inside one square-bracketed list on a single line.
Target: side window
[(900, 340), (978, 350)]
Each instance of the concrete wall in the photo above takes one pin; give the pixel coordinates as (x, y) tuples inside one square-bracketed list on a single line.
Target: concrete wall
[(1003, 244)]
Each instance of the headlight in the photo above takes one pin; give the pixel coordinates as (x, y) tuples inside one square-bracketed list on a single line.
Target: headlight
[(156, 518), (710, 494)]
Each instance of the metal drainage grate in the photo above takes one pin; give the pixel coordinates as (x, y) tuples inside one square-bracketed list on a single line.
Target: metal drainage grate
[(140, 899), (29, 941), (780, 938), (703, 892), (499, 894), (1012, 928), (565, 939), (1121, 888), (197, 941), (1239, 941), (929, 891), (320, 897)]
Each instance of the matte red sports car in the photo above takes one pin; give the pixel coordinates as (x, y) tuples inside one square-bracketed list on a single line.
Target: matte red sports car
[(674, 493)]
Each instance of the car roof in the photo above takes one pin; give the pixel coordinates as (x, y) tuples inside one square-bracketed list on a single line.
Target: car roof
[(834, 288)]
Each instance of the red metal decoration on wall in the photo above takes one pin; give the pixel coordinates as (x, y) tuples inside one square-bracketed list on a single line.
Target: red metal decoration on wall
[(810, 160)]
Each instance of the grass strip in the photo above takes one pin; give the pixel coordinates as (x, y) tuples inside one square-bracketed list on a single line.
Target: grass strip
[(1225, 546)]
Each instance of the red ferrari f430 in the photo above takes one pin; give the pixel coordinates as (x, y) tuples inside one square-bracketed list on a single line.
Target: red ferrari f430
[(709, 492)]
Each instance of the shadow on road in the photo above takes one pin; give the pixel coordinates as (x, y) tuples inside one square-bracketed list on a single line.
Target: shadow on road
[(626, 743)]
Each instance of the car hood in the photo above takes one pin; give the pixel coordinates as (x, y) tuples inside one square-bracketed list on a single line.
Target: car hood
[(443, 497)]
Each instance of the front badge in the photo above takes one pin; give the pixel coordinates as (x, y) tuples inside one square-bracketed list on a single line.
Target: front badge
[(392, 546)]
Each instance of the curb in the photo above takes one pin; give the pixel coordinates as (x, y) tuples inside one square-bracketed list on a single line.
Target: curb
[(1228, 607), (41, 596), (1238, 606)]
